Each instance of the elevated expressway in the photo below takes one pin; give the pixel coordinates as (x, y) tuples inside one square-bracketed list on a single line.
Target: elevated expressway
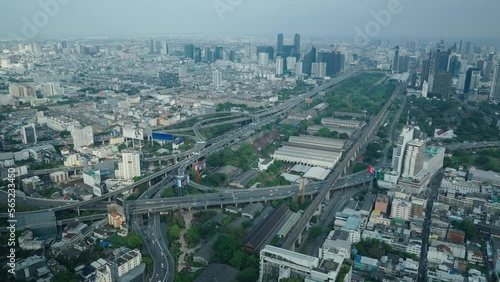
[(201, 150), (295, 235)]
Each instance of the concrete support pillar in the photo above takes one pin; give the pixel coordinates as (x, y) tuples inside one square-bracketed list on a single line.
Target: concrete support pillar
[(299, 239), (78, 211), (149, 183), (327, 197), (159, 162), (206, 207)]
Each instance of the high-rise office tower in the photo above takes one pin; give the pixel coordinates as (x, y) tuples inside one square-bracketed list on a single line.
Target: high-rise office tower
[(398, 154), (309, 58), (442, 85), (426, 66), (130, 166), (197, 55), (403, 63), (467, 47), (28, 134), (461, 83), (414, 158), (296, 43), (468, 79), (395, 60), (208, 53), (476, 78), (279, 45), (189, 51), (454, 64), (219, 53), (232, 56), (152, 46), (279, 65), (164, 48), (217, 78), (334, 61), (488, 70), (480, 65), (495, 84)]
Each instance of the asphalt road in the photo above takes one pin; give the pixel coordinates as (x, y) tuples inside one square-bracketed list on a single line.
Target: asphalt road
[(433, 189)]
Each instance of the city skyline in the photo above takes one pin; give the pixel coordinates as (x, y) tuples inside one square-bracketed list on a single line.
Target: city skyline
[(337, 18)]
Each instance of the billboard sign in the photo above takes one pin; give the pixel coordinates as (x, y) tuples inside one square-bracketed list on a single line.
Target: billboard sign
[(133, 133), (162, 136), (182, 181), (199, 166)]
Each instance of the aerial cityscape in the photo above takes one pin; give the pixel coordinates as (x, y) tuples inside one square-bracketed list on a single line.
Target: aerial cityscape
[(250, 141)]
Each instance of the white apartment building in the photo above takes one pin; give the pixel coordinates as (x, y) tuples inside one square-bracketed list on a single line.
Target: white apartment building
[(129, 167), (401, 209)]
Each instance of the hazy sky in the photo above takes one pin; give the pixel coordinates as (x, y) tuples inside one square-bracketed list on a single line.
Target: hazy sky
[(418, 18)]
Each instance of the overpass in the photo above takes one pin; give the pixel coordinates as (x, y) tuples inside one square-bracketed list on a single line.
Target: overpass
[(295, 234), (200, 150), (235, 197), (473, 145)]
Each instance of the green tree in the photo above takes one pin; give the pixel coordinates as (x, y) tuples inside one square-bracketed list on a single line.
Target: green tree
[(324, 132), (193, 236), (224, 247), (248, 274), (238, 259), (64, 276), (174, 233)]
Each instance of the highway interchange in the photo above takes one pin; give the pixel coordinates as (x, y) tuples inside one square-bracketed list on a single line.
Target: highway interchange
[(158, 246)]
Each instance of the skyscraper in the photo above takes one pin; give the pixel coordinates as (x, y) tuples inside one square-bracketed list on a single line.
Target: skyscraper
[(468, 79), (279, 45), (217, 78), (397, 157), (467, 47), (414, 158), (495, 84), (28, 134), (197, 55), (219, 53), (442, 85), (279, 65), (296, 43), (152, 46), (318, 70), (189, 51), (309, 58), (403, 63), (232, 56), (395, 60), (164, 48)]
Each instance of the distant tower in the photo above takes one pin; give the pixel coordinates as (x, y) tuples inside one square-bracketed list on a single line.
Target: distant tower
[(164, 48), (395, 60), (495, 85), (279, 65), (296, 44), (279, 44), (217, 78)]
